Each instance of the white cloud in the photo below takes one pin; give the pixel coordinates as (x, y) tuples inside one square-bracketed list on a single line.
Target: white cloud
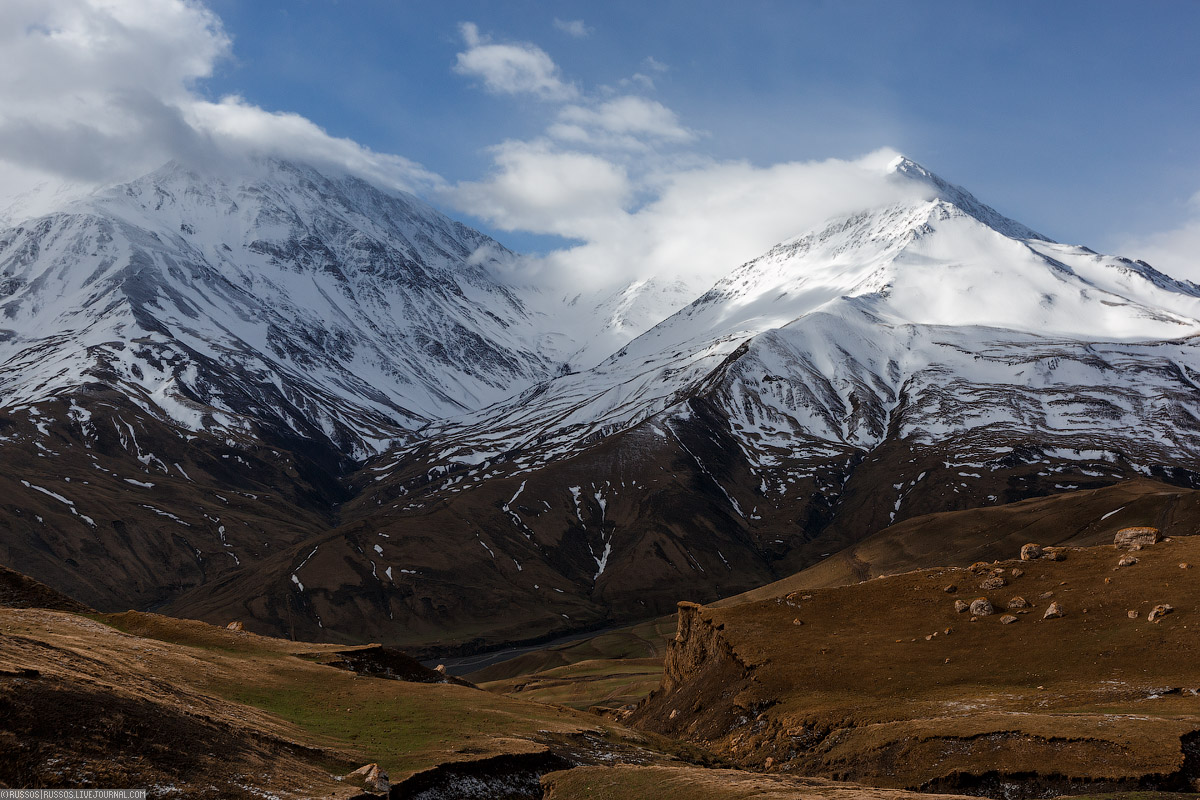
[(538, 189), (520, 68), (615, 173), (1175, 252), (100, 90), (654, 65), (700, 221), (573, 27), (627, 121)]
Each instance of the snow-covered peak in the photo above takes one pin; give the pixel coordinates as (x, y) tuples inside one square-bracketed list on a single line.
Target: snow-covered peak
[(317, 301), (907, 169)]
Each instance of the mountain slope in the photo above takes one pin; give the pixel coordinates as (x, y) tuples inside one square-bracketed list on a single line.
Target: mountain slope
[(301, 301)]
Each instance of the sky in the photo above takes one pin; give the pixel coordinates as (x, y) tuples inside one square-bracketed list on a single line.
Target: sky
[(621, 138)]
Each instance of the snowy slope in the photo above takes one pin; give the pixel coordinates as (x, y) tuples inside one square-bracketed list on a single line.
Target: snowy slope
[(315, 302)]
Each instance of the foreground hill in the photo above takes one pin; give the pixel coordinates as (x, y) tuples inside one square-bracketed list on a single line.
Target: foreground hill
[(1077, 682)]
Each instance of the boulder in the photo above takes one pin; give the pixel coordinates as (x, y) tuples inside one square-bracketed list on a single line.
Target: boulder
[(1054, 611), (1136, 538), (960, 606), (1018, 602), (1007, 619), (370, 776), (1127, 561), (1158, 612), (982, 607), (1031, 551), (994, 582), (1054, 554)]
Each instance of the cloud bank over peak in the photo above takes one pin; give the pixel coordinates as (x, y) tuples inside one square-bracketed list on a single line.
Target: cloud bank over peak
[(94, 91), (624, 178)]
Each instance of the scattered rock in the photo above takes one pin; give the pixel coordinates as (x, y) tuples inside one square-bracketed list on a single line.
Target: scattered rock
[(1184, 565), (1127, 561), (1017, 572), (994, 582), (1054, 611), (235, 626), (951, 589), (767, 764), (1031, 551), (1054, 554), (1007, 619), (1135, 538), (979, 566), (440, 668), (1018, 602), (960, 606), (981, 607), (1158, 612), (674, 713), (797, 622), (370, 776), (1133, 613), (1045, 595)]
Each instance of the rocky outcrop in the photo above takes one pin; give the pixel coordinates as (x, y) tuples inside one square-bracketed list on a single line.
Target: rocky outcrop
[(1136, 538)]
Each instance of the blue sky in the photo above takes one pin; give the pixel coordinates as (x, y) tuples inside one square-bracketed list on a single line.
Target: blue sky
[(626, 138), (1080, 118)]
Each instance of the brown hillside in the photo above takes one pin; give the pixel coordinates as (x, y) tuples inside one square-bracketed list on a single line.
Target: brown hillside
[(883, 682)]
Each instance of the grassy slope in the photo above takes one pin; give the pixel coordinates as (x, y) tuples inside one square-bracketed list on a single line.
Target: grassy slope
[(315, 719), (884, 681)]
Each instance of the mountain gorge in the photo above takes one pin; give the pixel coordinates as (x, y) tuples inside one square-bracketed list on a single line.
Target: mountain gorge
[(300, 400)]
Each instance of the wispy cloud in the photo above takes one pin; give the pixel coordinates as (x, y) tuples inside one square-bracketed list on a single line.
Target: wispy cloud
[(520, 68), (1175, 251), (573, 27)]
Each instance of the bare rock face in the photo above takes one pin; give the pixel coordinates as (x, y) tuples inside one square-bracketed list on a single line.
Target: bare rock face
[(1159, 611), (1136, 538), (1031, 551), (1018, 602), (994, 582), (982, 607), (237, 625), (1007, 619), (960, 606), (1127, 561), (1054, 611)]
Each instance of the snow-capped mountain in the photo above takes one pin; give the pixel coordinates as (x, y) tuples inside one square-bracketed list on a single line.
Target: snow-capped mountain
[(310, 302), (947, 261), (189, 359)]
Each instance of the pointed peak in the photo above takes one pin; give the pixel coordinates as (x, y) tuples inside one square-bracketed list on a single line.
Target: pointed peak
[(905, 168)]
